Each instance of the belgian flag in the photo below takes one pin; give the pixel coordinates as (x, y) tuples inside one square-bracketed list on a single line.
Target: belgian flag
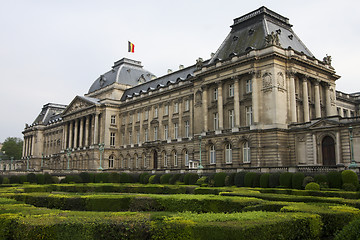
[(131, 47)]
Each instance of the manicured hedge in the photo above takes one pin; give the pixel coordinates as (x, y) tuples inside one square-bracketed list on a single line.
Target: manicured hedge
[(249, 179), (264, 180), (350, 231), (285, 179), (350, 177), (334, 179), (240, 179), (297, 180), (191, 178), (219, 179)]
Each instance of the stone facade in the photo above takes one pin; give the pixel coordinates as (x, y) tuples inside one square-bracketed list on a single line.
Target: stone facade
[(267, 105)]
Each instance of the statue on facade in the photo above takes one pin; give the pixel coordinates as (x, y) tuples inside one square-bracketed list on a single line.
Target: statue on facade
[(327, 60), (272, 39), (199, 63)]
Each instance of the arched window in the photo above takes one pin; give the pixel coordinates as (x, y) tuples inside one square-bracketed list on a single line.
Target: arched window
[(136, 161), (165, 159), (111, 161), (175, 159), (186, 157), (123, 162), (144, 159), (212, 154), (246, 152), (129, 161), (228, 153)]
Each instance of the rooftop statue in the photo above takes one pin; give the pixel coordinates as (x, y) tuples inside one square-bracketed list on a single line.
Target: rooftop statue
[(272, 39)]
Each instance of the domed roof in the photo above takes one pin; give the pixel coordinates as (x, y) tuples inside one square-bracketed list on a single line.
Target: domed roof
[(124, 71)]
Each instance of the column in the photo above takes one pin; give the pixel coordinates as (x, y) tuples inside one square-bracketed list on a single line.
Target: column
[(314, 149), (180, 129), (76, 131), (306, 100), (87, 131), (237, 102), (292, 93), (328, 100), (317, 99), (65, 135), (71, 135), (24, 147), (220, 106), (81, 134), (205, 109), (338, 148), (96, 130), (32, 145), (255, 97)]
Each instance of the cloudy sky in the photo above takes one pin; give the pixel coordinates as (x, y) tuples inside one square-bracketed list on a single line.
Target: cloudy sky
[(53, 50)]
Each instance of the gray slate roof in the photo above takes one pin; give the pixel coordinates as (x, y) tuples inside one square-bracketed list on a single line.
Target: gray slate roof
[(49, 113), (124, 71), (249, 32)]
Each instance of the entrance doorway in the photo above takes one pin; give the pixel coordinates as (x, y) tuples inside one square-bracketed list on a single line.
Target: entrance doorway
[(328, 151), (155, 158)]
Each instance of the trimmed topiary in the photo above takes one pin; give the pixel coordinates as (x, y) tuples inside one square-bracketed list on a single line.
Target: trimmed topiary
[(114, 177), (55, 180), (101, 177), (1, 179), (201, 181), (40, 179), (6, 180), (264, 180), (22, 179), (219, 179), (48, 178), (274, 180), (350, 231), (190, 178), (85, 177), (249, 179), (124, 178), (313, 186), (334, 179), (230, 179), (31, 178), (349, 187), (154, 179), (256, 181), (164, 179), (14, 179), (285, 179), (349, 176), (321, 179), (297, 180), (307, 179), (142, 177), (240, 179)]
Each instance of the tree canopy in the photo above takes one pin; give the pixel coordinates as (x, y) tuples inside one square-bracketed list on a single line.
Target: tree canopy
[(12, 147)]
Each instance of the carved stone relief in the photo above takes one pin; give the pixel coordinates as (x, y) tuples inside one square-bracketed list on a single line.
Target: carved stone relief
[(280, 80), (267, 80)]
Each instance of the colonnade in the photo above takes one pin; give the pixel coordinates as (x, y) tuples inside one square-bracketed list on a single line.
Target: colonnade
[(28, 146)]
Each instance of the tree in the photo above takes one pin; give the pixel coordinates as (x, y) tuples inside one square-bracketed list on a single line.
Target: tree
[(12, 147)]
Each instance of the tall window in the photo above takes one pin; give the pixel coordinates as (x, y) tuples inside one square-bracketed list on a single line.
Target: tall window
[(155, 133), (130, 137), (165, 159), (146, 135), (231, 119), (216, 121), (156, 112), (111, 161), (137, 137), (228, 153), (136, 161), (231, 90), (248, 115), (123, 139), (175, 159), (112, 139), (212, 154), (215, 94), (166, 110), (187, 129), (176, 130), (144, 160), (246, 152), (187, 105), (129, 162), (146, 114), (176, 107), (186, 156), (130, 118), (113, 119), (166, 132), (138, 116), (123, 119), (248, 86), (123, 163)]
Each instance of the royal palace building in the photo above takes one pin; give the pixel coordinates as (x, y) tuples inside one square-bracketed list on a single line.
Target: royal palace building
[(262, 101)]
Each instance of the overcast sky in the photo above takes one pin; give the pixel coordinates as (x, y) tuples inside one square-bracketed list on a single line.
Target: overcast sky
[(53, 50)]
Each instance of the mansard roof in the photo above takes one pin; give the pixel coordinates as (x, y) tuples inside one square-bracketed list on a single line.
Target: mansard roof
[(124, 71), (49, 113), (250, 31)]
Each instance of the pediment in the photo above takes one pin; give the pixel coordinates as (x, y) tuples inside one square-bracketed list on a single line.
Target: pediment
[(78, 104), (324, 123)]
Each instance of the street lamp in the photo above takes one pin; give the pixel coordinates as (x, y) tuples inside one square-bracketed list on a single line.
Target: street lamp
[(200, 164), (353, 163), (101, 149), (68, 152)]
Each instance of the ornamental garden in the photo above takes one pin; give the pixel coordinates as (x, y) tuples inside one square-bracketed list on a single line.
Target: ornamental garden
[(244, 205)]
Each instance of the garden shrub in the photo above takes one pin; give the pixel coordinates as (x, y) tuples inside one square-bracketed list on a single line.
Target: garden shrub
[(334, 179), (240, 179), (48, 178), (274, 180), (349, 187), (40, 179), (1, 179), (164, 179), (297, 180), (256, 180), (190, 178), (146, 178), (15, 179), (321, 179), (219, 179), (313, 186), (141, 177), (101, 177), (125, 178), (351, 177), (31, 178), (285, 179), (249, 179), (22, 179), (350, 231), (307, 179), (114, 177), (201, 181), (230, 179), (134, 177), (155, 179), (6, 180), (54, 179), (85, 177), (264, 180)]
